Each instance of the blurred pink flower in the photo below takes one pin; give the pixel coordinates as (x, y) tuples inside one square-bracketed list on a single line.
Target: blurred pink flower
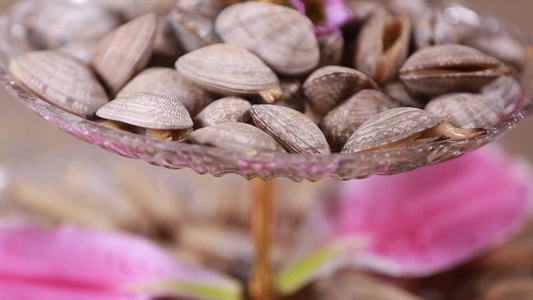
[(74, 264), (417, 223), (335, 12)]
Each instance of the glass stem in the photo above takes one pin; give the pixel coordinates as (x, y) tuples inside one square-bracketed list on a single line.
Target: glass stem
[(262, 220)]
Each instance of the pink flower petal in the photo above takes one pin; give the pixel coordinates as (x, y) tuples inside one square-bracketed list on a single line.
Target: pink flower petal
[(337, 14), (100, 261)]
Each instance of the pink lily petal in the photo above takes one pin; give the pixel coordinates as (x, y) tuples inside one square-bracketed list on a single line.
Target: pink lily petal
[(422, 222), (100, 261)]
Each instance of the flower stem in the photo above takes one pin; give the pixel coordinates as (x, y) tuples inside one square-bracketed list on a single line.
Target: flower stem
[(262, 224)]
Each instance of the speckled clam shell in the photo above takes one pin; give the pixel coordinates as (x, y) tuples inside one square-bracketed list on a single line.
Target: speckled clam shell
[(505, 90), (291, 129), (153, 110), (505, 48), (432, 29), (389, 127), (383, 46), (59, 23), (83, 51), (225, 110), (282, 37), (331, 48), (327, 87), (60, 80), (398, 92), (446, 69), (467, 111), (124, 52), (193, 30), (228, 70), (240, 137), (169, 81), (339, 124)]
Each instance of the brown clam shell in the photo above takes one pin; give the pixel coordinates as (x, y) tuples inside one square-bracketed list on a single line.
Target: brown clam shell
[(389, 127), (290, 128), (293, 95), (169, 81), (446, 69), (331, 48), (282, 37), (466, 110), (505, 48), (60, 80), (153, 110), (340, 123), (225, 110), (240, 137), (125, 51), (327, 87)]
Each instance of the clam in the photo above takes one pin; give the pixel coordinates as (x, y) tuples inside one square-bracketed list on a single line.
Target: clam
[(466, 110), (167, 48), (282, 37), (343, 121), (153, 110), (327, 87), (290, 128), (505, 48), (59, 23), (414, 9), (230, 70), (60, 80), (225, 110), (292, 92), (207, 8), (237, 137), (331, 48), (362, 10), (193, 30), (83, 51), (432, 29), (506, 90), (383, 45), (136, 8), (446, 69), (398, 92), (169, 81), (394, 128), (124, 52)]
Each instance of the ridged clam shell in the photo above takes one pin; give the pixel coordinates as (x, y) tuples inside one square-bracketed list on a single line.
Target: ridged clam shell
[(432, 29), (124, 52), (505, 90), (331, 48), (228, 70), (398, 92), (225, 110), (169, 81), (383, 46), (291, 129), (148, 110), (327, 87), (505, 48), (236, 136), (83, 51), (446, 69), (340, 123), (193, 30), (282, 37), (466, 110), (389, 127), (61, 80), (59, 23)]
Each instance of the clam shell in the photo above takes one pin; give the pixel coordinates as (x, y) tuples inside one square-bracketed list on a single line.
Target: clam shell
[(362, 10), (228, 70), (167, 48), (389, 127), (193, 30), (149, 110), (505, 48), (206, 8), (169, 81), (466, 110), (59, 23), (282, 37), (61, 80), (383, 46), (343, 121), (292, 92), (124, 52), (398, 92), (83, 51), (290, 128), (331, 48), (505, 90), (136, 8), (446, 69), (225, 110), (237, 137), (329, 86), (431, 29)]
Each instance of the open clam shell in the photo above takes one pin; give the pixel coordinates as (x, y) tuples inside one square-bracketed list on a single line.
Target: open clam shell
[(282, 37), (60, 80), (226, 110)]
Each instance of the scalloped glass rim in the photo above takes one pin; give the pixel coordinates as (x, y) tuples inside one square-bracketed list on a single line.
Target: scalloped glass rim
[(203, 159)]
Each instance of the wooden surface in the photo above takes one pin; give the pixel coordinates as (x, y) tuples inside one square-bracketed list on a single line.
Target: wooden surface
[(22, 132)]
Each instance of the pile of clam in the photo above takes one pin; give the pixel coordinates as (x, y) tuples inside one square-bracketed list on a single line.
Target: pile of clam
[(255, 77)]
